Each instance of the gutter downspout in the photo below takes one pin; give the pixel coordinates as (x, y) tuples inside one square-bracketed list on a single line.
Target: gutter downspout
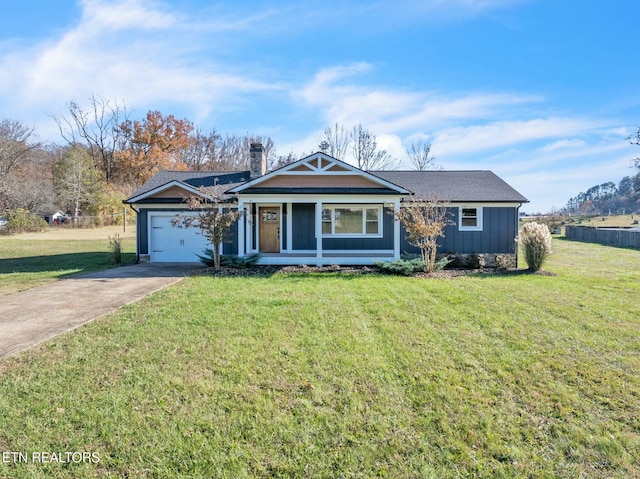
[(517, 247), (137, 234)]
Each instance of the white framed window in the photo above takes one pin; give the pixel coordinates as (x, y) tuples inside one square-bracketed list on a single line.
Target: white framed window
[(352, 220), (470, 218)]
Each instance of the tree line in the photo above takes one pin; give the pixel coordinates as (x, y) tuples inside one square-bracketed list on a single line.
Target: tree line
[(609, 197), (104, 155)]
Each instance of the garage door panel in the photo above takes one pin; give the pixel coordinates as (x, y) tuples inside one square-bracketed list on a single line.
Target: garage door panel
[(174, 245)]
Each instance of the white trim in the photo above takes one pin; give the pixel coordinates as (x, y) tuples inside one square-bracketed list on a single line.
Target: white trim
[(479, 215), (318, 232), (396, 231), (241, 229), (364, 207), (169, 207), (326, 198), (166, 186), (327, 260), (289, 227), (483, 204), (328, 252)]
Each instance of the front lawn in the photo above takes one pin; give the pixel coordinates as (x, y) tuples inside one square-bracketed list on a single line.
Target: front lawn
[(31, 259), (331, 375)]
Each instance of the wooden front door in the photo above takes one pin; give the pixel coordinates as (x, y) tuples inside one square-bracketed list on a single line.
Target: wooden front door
[(269, 223)]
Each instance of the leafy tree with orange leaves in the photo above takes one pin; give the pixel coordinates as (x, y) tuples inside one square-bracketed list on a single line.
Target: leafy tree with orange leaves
[(155, 143)]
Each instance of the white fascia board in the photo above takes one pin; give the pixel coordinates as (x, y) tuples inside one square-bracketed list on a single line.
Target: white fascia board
[(341, 199), (176, 206), (165, 187), (484, 204), (285, 170), (471, 204)]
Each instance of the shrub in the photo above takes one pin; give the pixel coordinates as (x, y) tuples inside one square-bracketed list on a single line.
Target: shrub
[(23, 221), (535, 241), (230, 260), (466, 261), (504, 262), (115, 244), (402, 267)]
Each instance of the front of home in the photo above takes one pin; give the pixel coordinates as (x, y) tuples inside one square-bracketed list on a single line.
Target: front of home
[(322, 211)]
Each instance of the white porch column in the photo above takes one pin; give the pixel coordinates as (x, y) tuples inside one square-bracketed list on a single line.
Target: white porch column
[(220, 246), (396, 232), (241, 223), (318, 233), (289, 227)]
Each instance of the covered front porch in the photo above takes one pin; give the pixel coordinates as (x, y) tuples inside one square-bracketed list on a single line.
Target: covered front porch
[(319, 231)]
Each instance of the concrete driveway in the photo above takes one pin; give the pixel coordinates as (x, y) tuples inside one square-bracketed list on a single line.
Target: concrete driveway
[(30, 317)]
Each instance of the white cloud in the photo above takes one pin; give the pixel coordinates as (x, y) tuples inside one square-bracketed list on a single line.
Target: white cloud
[(499, 134), (387, 110), (563, 144), (105, 16), (132, 50)]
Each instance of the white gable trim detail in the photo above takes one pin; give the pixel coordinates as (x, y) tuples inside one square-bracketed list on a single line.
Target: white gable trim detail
[(315, 167), (188, 188)]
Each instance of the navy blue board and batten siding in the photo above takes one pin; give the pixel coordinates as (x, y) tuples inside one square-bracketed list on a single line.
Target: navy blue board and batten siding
[(303, 235), (497, 236), (142, 223), (304, 232)]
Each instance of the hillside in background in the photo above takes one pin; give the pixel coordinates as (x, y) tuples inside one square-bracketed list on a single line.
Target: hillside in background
[(607, 198)]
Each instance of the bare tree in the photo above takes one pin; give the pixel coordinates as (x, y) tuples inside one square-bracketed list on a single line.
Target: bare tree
[(335, 141), (234, 151), (424, 221), (24, 168), (364, 147), (635, 140), (202, 153), (420, 155), (15, 145), (281, 161), (98, 129)]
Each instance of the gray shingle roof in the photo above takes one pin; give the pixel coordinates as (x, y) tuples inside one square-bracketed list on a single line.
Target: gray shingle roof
[(468, 185), (193, 178), (456, 186)]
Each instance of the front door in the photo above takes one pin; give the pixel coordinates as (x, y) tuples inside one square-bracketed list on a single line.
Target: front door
[(269, 221)]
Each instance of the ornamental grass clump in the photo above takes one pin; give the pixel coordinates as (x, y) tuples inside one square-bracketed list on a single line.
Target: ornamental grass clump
[(115, 244), (535, 241)]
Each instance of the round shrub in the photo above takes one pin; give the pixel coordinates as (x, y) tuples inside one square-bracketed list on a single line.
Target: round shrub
[(535, 241)]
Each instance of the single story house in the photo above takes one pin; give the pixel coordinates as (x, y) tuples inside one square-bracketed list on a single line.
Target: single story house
[(323, 211)]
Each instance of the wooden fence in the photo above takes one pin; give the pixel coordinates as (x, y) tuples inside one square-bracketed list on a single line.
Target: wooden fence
[(628, 238)]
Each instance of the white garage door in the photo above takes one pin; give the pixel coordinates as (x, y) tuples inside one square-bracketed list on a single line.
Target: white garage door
[(169, 244)]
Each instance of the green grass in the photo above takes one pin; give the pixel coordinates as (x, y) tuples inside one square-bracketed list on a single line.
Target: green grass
[(330, 375), (26, 263)]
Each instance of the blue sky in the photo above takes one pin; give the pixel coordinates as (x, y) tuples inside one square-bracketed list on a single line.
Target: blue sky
[(542, 92)]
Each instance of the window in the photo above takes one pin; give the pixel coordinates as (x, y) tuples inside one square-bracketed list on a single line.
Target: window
[(351, 221), (470, 219)]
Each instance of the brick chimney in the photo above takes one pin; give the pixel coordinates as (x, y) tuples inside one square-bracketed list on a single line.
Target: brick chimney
[(258, 161)]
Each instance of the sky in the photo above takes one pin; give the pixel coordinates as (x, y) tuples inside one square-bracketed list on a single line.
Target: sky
[(542, 92)]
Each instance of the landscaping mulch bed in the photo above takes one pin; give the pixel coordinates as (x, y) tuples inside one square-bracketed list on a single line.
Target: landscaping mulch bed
[(270, 270)]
